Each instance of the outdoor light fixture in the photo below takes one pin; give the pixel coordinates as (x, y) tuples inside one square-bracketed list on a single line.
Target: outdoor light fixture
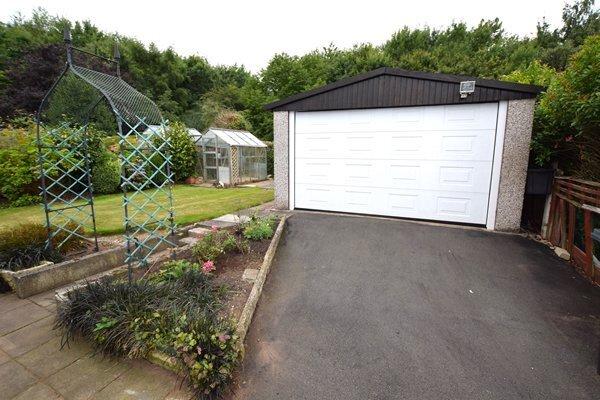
[(466, 88)]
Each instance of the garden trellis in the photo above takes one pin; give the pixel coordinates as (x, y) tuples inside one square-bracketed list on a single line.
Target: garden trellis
[(89, 84)]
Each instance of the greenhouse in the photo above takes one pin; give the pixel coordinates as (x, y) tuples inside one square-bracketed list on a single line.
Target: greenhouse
[(231, 156)]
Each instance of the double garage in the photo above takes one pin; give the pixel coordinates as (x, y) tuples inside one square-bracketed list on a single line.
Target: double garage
[(407, 144)]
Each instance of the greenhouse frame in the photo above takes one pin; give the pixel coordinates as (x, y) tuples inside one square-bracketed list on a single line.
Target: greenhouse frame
[(233, 156)]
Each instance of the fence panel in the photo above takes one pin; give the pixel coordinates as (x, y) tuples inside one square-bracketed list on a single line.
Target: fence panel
[(572, 200)]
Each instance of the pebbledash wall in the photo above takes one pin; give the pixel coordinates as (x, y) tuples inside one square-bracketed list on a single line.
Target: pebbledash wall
[(508, 190)]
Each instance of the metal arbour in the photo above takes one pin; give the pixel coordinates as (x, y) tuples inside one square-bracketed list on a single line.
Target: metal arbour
[(146, 178)]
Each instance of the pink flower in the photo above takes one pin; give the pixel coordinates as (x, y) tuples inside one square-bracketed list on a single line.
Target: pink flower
[(208, 266), (223, 337), (214, 228)]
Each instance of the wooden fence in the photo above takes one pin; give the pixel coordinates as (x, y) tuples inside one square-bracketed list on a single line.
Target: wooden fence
[(573, 198)]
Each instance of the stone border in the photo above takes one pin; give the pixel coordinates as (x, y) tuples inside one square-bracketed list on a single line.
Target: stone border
[(35, 280), (250, 306), (172, 363), (42, 278)]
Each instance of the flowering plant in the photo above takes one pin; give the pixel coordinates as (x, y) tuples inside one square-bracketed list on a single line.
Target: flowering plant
[(208, 266)]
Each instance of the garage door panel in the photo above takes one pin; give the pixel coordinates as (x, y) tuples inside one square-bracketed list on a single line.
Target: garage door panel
[(419, 162), (390, 174), (461, 117), (470, 116), (477, 145), (406, 203)]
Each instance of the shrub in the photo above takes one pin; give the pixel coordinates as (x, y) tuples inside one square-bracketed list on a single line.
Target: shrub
[(19, 160), (568, 114), (209, 352), (178, 317), (217, 243), (173, 270), (259, 228), (24, 246), (183, 152), (19, 166), (106, 174)]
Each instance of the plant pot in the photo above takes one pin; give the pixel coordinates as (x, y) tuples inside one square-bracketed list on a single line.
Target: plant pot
[(539, 181)]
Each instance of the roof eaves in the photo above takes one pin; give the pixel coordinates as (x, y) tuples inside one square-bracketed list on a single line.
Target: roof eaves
[(326, 88), (432, 76)]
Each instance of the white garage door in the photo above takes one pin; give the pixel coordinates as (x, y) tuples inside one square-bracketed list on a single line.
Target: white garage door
[(431, 162)]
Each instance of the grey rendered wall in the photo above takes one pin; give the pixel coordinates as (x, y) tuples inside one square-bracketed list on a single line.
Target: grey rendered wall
[(515, 157), (280, 139)]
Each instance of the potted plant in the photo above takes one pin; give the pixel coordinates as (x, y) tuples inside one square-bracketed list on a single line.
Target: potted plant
[(539, 181)]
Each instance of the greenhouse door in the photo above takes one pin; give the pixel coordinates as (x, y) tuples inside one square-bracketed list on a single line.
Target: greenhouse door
[(210, 164), (432, 162)]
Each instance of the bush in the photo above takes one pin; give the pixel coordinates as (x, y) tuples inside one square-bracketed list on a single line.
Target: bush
[(567, 118), (19, 162), (24, 246), (259, 228), (106, 174), (173, 270), (178, 317), (216, 243), (183, 152), (19, 166)]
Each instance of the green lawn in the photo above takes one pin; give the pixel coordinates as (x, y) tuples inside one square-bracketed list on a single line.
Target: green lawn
[(191, 204)]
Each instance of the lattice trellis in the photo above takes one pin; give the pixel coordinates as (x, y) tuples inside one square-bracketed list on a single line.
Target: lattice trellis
[(146, 181), (146, 178), (66, 183), (235, 165)]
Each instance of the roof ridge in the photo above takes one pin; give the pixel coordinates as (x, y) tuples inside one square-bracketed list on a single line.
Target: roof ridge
[(227, 129)]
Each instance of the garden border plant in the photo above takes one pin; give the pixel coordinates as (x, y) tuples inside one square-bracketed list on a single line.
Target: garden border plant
[(172, 317)]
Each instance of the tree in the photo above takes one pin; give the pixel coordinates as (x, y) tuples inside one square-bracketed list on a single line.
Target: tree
[(183, 152)]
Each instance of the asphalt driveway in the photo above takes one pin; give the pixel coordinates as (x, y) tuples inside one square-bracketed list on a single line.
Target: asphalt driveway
[(364, 308)]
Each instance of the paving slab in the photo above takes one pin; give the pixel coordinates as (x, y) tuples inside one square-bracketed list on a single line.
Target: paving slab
[(29, 337), (233, 218), (142, 381), (181, 393), (14, 379), (218, 224), (45, 299), (362, 308), (250, 274), (49, 358), (24, 314), (85, 377), (9, 301), (198, 232), (189, 241), (39, 391), (3, 357)]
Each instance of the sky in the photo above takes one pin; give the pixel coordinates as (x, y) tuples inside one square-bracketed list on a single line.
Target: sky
[(250, 32)]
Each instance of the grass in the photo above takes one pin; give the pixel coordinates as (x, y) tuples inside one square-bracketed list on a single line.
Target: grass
[(191, 204)]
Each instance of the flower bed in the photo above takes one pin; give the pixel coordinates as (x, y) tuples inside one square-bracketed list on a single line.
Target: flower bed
[(186, 309)]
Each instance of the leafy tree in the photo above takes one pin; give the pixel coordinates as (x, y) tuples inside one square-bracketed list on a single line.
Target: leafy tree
[(567, 120), (183, 152)]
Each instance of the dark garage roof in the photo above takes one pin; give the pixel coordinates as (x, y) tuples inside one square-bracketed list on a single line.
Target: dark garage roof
[(391, 87)]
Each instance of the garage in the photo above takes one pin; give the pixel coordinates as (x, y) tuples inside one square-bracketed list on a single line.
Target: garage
[(406, 144)]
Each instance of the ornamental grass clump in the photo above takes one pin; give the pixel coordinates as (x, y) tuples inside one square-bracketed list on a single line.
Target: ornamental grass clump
[(24, 246), (176, 312)]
